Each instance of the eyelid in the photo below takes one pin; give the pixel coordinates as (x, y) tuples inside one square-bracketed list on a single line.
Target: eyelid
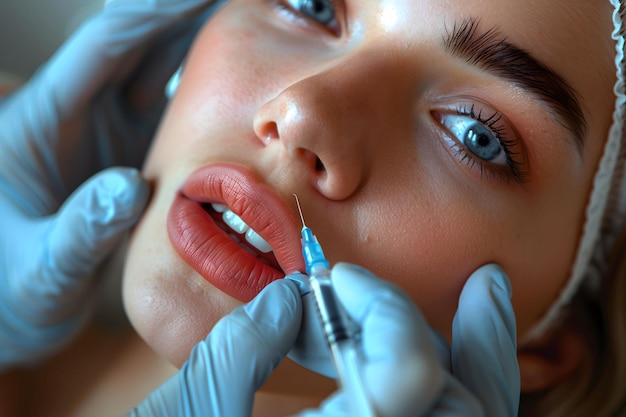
[(510, 140), (336, 28), (459, 125)]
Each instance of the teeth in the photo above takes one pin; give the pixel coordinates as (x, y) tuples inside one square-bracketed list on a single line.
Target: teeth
[(257, 241), (234, 222), (220, 208)]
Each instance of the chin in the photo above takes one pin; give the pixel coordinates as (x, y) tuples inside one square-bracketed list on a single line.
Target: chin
[(170, 305)]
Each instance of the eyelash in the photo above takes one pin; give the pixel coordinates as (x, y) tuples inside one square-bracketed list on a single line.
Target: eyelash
[(301, 18), (493, 123), (498, 128)]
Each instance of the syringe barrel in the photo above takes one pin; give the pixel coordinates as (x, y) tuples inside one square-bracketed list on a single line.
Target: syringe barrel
[(350, 378), (334, 320)]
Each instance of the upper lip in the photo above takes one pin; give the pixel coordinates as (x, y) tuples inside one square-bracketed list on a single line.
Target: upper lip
[(258, 205)]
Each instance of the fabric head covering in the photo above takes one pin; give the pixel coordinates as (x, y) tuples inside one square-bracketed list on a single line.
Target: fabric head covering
[(606, 210)]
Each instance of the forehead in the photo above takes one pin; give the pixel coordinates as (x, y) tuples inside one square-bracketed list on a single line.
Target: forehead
[(570, 37), (556, 23), (572, 28), (573, 38)]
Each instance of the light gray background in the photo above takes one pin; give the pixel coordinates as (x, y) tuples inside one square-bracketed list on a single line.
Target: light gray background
[(31, 30)]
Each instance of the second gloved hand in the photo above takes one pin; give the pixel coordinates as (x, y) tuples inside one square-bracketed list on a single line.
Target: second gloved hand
[(47, 262), (225, 370), (400, 363), (406, 367), (94, 105)]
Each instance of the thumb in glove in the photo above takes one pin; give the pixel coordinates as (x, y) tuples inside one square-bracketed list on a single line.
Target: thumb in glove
[(43, 288), (484, 343), (225, 370)]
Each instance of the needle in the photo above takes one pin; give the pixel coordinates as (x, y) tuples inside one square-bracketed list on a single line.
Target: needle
[(335, 323)]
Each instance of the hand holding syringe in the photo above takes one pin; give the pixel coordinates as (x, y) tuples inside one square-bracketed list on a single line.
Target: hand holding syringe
[(400, 370), (335, 323)]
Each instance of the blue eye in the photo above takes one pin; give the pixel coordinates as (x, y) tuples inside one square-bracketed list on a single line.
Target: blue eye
[(322, 11), (484, 140), (477, 138)]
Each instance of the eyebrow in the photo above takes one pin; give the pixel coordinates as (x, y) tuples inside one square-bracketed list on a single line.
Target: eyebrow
[(494, 54)]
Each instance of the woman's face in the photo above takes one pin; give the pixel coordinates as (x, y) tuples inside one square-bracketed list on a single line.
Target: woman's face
[(423, 139)]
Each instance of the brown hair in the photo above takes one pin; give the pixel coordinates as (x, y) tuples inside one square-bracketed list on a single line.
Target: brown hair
[(598, 387)]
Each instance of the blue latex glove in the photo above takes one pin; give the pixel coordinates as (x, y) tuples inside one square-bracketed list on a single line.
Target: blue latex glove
[(95, 104), (225, 370), (401, 360)]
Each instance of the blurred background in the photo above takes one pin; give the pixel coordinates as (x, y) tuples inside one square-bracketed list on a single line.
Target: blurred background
[(31, 30)]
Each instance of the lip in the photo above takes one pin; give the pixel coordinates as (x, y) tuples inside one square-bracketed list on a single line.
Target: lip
[(210, 251)]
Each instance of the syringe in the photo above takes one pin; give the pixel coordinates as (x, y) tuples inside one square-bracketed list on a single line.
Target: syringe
[(335, 323)]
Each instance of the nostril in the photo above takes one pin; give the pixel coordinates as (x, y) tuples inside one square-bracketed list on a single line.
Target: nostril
[(267, 132), (319, 166)]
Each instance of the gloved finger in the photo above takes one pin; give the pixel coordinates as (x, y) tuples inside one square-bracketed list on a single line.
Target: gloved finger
[(226, 369), (45, 298), (111, 43), (484, 342), (336, 405), (77, 238), (65, 113), (401, 366), (102, 51), (456, 401), (259, 333), (91, 222)]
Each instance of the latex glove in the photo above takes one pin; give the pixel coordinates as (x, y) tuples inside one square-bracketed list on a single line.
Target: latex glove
[(93, 105), (47, 262), (225, 370), (400, 362), (484, 342), (403, 365), (96, 103)]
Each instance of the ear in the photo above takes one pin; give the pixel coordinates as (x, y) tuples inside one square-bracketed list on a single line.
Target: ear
[(545, 362)]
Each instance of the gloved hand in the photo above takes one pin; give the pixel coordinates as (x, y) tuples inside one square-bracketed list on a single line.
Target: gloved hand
[(400, 360), (407, 368), (95, 104), (225, 370)]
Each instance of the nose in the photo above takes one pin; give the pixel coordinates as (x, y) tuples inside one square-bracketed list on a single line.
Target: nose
[(330, 124)]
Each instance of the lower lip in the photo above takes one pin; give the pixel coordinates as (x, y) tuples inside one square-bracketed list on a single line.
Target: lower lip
[(210, 251)]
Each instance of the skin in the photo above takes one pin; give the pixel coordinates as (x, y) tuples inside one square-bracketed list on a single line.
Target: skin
[(277, 93)]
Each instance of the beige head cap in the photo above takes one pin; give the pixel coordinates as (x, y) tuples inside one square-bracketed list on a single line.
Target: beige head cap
[(606, 210)]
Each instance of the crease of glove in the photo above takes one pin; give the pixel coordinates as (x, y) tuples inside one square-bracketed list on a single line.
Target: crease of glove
[(95, 104), (400, 362), (408, 368), (484, 347), (89, 223), (44, 287), (385, 313), (116, 38), (225, 370)]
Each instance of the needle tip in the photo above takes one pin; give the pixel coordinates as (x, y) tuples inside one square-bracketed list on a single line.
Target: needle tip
[(300, 210)]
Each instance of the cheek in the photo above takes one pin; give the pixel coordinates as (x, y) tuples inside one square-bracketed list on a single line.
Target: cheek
[(229, 71), (540, 256), (423, 241), (433, 237)]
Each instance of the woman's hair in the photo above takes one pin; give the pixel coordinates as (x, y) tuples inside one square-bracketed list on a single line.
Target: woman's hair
[(598, 387), (597, 310)]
